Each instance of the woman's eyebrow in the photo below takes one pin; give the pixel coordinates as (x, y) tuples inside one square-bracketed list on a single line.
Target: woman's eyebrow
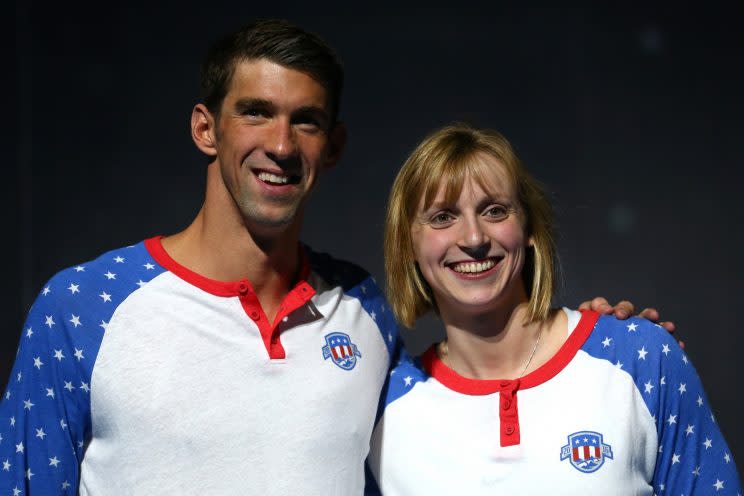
[(437, 205), (491, 199)]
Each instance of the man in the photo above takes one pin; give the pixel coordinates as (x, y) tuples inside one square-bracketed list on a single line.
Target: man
[(143, 372)]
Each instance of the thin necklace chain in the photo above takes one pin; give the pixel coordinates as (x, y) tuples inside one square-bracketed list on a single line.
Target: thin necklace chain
[(444, 350), (534, 349)]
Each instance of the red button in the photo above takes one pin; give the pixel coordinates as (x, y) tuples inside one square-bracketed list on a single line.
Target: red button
[(505, 404), (255, 316), (243, 288), (509, 430)]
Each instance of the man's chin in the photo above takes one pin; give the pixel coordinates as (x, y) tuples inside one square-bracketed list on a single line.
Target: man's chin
[(271, 221)]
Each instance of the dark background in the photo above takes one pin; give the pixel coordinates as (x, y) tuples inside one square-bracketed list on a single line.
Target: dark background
[(632, 117)]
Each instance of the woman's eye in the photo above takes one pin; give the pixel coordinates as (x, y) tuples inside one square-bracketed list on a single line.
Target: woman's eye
[(497, 212), (441, 219)]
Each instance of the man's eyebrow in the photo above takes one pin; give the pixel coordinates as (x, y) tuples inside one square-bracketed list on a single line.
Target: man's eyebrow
[(244, 104), (316, 111)]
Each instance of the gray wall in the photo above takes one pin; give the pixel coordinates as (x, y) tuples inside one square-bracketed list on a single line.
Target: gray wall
[(630, 117)]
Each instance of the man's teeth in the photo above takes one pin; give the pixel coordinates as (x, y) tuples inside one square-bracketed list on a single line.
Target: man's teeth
[(473, 267), (272, 178)]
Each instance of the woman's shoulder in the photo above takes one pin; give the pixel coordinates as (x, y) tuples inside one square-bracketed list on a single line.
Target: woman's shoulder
[(646, 340), (640, 348), (404, 375)]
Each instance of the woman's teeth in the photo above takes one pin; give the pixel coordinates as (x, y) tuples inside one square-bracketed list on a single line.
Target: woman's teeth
[(272, 178), (473, 267)]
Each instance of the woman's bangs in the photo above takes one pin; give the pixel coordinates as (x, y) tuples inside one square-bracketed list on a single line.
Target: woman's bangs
[(446, 173)]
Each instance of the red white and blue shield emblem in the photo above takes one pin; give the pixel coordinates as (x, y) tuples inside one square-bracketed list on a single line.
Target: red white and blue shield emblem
[(586, 450), (340, 348)]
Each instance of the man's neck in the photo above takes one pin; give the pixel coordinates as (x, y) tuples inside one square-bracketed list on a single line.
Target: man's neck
[(218, 245)]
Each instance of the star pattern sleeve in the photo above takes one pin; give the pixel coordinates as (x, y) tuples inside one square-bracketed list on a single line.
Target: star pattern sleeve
[(405, 372), (44, 411), (693, 455), (45, 418)]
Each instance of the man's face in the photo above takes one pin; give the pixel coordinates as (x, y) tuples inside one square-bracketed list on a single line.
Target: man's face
[(272, 141)]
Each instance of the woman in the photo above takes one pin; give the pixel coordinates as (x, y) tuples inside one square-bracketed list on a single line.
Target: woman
[(521, 398)]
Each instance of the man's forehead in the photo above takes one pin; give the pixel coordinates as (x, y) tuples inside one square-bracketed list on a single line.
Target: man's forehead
[(263, 79)]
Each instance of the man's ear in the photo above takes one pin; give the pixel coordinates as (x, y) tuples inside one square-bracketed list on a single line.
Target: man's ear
[(203, 130), (336, 144), (531, 241)]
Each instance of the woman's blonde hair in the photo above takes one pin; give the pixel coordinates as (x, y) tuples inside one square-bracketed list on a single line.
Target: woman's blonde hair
[(447, 157)]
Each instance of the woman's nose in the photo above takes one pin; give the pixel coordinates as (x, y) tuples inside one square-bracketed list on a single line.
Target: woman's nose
[(472, 236)]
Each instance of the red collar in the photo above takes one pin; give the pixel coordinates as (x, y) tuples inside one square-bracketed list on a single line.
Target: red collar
[(219, 288), (298, 296), (451, 379)]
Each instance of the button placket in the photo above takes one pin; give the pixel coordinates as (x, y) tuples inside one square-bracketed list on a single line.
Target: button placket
[(508, 414), (271, 332)]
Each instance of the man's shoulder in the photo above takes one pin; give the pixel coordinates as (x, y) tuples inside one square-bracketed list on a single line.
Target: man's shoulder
[(107, 278), (337, 272)]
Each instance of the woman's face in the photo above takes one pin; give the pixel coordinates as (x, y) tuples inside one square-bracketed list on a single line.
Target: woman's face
[(471, 252)]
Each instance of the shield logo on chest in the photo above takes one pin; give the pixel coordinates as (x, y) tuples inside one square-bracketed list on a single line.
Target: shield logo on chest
[(586, 451), (341, 350)]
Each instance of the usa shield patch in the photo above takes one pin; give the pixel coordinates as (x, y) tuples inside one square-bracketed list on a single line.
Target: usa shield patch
[(586, 451), (340, 348)]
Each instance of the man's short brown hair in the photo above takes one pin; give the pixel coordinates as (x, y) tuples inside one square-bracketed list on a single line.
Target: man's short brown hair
[(277, 41)]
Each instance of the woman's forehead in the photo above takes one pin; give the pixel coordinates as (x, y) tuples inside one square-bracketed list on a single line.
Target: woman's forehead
[(481, 172)]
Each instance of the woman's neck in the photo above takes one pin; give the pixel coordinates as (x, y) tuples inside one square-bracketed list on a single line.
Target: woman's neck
[(498, 344)]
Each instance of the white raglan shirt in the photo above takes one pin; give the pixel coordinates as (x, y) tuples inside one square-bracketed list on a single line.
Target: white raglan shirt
[(135, 375), (619, 410)]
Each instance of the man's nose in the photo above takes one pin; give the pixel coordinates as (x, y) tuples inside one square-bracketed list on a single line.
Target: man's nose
[(280, 142)]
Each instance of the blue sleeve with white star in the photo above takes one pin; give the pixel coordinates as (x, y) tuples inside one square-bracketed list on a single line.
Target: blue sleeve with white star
[(693, 457), (45, 411), (407, 373), (399, 360), (404, 373)]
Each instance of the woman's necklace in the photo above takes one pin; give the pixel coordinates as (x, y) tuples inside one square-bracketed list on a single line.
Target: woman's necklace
[(444, 352), (534, 349)]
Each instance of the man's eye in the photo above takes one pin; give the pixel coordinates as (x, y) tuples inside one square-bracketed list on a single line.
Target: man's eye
[(255, 113), (309, 124), (497, 212)]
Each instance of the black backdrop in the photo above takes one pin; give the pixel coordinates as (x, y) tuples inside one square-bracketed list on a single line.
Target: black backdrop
[(630, 116)]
